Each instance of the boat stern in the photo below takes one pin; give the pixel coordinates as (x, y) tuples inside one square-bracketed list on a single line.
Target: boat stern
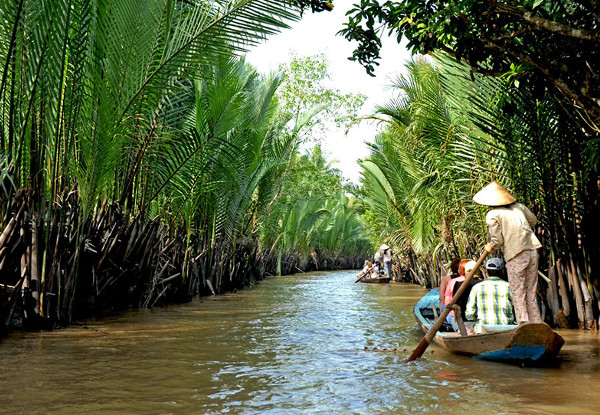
[(532, 342)]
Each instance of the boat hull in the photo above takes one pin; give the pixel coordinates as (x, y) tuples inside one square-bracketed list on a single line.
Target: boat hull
[(378, 280), (526, 343)]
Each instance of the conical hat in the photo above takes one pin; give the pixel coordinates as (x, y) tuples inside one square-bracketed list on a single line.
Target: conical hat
[(384, 247), (494, 195)]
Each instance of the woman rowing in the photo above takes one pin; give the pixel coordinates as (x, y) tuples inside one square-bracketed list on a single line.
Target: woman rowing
[(510, 228)]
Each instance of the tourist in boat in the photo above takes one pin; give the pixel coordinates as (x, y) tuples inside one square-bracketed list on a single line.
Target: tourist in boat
[(454, 265), (366, 270), (449, 292), (510, 228), (375, 270), (386, 255), (490, 301), (462, 300), (469, 266)]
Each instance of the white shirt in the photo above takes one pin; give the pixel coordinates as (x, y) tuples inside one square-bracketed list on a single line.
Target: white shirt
[(510, 229)]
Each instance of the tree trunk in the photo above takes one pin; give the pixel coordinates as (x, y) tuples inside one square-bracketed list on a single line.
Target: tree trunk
[(34, 277), (564, 292), (574, 280), (552, 295), (589, 322)]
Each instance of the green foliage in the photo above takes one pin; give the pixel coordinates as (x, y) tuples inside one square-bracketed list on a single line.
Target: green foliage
[(306, 87), (313, 212), (554, 44), (231, 152), (447, 135), (94, 93), (144, 159), (314, 5), (413, 189)]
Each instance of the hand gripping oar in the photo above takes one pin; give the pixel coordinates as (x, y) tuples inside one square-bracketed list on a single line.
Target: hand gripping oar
[(418, 352)]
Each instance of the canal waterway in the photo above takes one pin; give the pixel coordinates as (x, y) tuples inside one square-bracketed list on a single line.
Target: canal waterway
[(290, 345)]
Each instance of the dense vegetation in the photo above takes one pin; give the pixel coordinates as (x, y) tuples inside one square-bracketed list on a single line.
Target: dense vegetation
[(448, 134), (532, 123), (143, 162), (549, 45)]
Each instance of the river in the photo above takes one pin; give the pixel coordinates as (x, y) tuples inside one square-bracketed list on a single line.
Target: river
[(290, 345)]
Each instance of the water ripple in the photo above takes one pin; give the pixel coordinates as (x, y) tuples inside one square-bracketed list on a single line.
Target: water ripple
[(291, 345)]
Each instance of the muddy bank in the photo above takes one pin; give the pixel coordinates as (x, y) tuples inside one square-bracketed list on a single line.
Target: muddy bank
[(56, 269)]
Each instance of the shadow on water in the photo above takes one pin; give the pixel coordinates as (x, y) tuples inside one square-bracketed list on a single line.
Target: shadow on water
[(289, 345)]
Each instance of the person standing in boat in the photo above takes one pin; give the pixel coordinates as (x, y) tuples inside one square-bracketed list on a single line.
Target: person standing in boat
[(510, 227), (490, 301), (386, 255)]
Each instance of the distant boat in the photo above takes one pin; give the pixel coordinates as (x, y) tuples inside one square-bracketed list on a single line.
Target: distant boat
[(376, 280), (523, 344)]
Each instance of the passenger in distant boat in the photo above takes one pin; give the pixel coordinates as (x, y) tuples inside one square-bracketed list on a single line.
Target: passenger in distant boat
[(490, 302), (365, 270), (462, 300), (386, 255), (509, 224), (375, 270), (449, 293), (444, 283)]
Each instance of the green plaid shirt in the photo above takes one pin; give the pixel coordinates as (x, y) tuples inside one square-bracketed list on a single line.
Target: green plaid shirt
[(490, 303)]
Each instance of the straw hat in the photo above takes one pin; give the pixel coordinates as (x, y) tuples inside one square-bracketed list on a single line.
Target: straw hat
[(494, 195), (384, 247)]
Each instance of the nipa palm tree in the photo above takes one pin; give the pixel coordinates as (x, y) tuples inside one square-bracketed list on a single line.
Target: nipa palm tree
[(95, 100)]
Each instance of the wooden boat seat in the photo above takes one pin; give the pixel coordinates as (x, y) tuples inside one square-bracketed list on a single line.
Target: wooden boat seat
[(432, 316), (500, 327)]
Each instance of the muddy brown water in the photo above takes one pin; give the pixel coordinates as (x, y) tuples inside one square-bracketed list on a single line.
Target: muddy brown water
[(290, 345)]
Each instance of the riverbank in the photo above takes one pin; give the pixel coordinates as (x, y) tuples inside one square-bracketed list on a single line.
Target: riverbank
[(56, 269)]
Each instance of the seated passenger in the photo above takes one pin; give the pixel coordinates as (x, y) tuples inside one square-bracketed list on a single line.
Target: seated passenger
[(365, 270), (490, 301), (375, 270), (454, 265), (462, 301), (450, 290)]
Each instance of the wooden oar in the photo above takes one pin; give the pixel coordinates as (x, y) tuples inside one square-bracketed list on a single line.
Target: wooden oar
[(418, 352), (358, 279)]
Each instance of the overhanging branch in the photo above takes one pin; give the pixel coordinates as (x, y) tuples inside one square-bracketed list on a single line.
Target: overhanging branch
[(541, 23), (587, 103)]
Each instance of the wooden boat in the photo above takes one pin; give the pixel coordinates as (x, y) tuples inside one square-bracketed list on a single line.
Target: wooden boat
[(376, 280), (523, 344)]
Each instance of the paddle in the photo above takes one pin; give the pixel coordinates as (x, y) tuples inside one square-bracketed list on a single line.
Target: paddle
[(418, 352), (358, 279)]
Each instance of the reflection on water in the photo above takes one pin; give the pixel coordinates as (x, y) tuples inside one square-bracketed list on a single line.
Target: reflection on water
[(290, 345)]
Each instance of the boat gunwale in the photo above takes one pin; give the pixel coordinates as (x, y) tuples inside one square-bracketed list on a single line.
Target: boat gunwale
[(376, 280)]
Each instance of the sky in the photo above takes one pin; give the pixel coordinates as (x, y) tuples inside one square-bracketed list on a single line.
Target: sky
[(316, 33)]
